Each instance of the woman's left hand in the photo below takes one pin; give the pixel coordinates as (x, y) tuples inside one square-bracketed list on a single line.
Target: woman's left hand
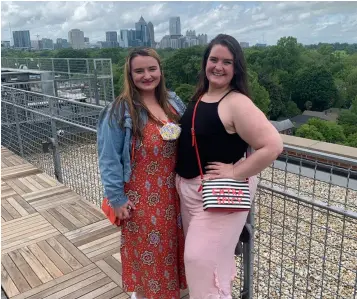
[(218, 170)]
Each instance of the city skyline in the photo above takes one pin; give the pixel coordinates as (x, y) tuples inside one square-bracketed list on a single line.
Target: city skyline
[(253, 22)]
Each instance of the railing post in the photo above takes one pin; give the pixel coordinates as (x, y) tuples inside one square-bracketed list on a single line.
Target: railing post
[(248, 258), (18, 131), (54, 141)]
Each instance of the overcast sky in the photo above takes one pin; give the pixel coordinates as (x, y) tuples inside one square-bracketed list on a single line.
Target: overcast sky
[(310, 22)]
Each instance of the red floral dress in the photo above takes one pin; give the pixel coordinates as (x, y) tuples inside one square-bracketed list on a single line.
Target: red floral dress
[(152, 241)]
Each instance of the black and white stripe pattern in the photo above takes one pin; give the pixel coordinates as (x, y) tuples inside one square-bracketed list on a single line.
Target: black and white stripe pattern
[(226, 193)]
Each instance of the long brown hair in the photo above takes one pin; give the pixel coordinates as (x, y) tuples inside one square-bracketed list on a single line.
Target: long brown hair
[(239, 81), (131, 95)]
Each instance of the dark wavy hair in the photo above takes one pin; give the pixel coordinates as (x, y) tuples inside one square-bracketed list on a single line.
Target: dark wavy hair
[(239, 81)]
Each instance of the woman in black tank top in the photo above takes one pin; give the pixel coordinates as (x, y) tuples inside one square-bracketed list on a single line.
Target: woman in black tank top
[(227, 125)]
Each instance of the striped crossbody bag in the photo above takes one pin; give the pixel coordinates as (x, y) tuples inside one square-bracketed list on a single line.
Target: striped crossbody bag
[(219, 194)]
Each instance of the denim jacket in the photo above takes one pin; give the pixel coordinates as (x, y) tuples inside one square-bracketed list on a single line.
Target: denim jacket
[(114, 149)]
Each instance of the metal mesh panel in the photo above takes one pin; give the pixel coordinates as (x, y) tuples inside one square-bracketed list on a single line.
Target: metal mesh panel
[(86, 80)]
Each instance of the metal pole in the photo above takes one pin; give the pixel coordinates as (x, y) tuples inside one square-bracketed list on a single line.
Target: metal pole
[(18, 131), (89, 80), (112, 83), (248, 258), (55, 147), (96, 84)]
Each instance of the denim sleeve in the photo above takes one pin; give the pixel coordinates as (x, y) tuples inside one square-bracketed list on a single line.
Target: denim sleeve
[(110, 142)]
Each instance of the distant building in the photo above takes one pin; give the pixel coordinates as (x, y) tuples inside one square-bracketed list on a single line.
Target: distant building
[(175, 26), (61, 43), (260, 45), (111, 37), (283, 126), (142, 34), (46, 44), (5, 44), (22, 39), (244, 44), (86, 39), (202, 39), (124, 38), (151, 34), (76, 39)]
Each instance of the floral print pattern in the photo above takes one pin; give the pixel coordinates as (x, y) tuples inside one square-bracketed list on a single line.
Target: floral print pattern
[(152, 246)]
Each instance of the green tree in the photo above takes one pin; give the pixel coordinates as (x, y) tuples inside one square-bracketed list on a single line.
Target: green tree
[(260, 95), (315, 84), (352, 140), (185, 92), (309, 132), (348, 120), (290, 109), (331, 132)]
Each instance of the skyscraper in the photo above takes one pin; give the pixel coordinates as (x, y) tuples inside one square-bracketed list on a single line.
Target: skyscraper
[(124, 37), (142, 32), (175, 26), (111, 37), (151, 34), (76, 38), (22, 39)]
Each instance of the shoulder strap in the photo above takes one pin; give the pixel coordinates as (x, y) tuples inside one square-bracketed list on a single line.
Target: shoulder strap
[(225, 95)]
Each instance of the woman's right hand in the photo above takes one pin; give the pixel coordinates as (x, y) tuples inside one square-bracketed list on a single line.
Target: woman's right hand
[(124, 212)]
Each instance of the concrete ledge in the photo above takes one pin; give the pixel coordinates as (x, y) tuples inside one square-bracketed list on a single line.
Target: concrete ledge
[(329, 148)]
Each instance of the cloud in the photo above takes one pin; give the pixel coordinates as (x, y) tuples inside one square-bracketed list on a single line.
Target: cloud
[(310, 22)]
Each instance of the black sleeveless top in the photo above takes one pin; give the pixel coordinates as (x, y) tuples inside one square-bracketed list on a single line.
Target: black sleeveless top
[(214, 143)]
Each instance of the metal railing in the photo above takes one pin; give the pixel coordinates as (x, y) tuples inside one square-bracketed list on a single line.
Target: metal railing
[(304, 219), (88, 79)]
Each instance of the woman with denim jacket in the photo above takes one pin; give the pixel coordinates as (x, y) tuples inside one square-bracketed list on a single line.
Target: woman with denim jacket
[(137, 160)]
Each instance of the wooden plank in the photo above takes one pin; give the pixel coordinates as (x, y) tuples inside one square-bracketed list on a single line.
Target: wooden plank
[(103, 232), (7, 283), (55, 258), (29, 240), (105, 254), (40, 194), (92, 209), (34, 183), (86, 213), (99, 291), (12, 201), (63, 220), (72, 235), (75, 252), (18, 171), (10, 209), (36, 266), (55, 201), (5, 214), (104, 248), (49, 180), (25, 269), (113, 293), (56, 223), (24, 181), (76, 288), (77, 213), (114, 263), (45, 261), (16, 276), (43, 183), (19, 187), (61, 282), (90, 245), (21, 233), (70, 217), (7, 191), (63, 252), (22, 223), (24, 204), (107, 269)]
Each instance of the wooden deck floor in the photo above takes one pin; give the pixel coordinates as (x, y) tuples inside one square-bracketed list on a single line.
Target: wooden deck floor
[(54, 244)]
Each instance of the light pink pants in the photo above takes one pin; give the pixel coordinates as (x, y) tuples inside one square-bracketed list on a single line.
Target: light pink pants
[(211, 238)]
